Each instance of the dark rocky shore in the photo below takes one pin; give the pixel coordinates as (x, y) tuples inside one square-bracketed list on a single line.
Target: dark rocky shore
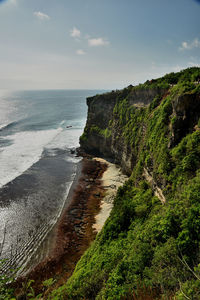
[(74, 232)]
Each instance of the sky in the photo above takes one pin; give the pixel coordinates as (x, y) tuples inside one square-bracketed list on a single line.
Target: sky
[(95, 44)]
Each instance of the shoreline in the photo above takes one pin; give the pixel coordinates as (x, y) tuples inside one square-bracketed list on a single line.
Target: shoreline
[(73, 232), (44, 251), (88, 205)]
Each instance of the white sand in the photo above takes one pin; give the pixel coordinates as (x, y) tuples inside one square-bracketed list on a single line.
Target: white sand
[(112, 179)]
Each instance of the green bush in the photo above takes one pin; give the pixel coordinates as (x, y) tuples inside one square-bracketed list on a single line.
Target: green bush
[(6, 292), (145, 243)]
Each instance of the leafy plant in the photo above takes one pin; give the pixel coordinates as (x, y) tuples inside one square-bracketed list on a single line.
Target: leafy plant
[(6, 292)]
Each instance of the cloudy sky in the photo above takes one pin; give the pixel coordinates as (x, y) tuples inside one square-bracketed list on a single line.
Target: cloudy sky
[(95, 44)]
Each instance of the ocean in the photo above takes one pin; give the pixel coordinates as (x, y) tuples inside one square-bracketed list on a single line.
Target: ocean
[(39, 131)]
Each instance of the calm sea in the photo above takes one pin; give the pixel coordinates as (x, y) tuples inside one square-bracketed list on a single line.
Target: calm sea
[(38, 130)]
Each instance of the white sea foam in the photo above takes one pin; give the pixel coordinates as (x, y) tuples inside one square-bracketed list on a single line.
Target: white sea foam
[(3, 125), (68, 138), (73, 159), (11, 230), (26, 149), (62, 123)]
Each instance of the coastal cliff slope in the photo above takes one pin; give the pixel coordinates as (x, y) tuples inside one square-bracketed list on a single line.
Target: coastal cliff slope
[(149, 246)]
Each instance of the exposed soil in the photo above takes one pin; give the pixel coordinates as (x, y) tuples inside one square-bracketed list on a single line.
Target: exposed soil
[(74, 231)]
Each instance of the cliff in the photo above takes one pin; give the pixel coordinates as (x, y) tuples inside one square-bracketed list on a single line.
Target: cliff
[(110, 118), (104, 134), (149, 246)]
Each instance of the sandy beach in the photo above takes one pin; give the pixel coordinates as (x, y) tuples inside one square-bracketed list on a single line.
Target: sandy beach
[(91, 200), (111, 180)]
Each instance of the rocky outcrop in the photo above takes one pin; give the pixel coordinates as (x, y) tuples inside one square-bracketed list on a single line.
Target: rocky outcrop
[(103, 134), (156, 189), (186, 113)]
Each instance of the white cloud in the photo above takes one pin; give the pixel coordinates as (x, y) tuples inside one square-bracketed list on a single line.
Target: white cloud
[(97, 42), (75, 33), (40, 15), (188, 46), (80, 52)]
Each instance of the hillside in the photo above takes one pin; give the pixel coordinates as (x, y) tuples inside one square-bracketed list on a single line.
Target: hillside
[(149, 246)]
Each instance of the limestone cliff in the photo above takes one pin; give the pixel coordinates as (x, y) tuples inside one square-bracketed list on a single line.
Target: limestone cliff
[(149, 246), (103, 133)]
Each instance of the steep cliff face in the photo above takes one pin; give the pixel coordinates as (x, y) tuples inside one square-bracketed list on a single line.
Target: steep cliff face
[(103, 133), (186, 113), (152, 237)]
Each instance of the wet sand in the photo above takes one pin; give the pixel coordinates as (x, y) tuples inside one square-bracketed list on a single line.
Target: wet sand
[(91, 200), (74, 231), (45, 250)]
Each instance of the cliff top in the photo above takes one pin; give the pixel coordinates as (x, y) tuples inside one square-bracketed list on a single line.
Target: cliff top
[(189, 76)]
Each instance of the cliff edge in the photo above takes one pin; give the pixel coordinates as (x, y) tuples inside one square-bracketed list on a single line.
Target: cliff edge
[(149, 246)]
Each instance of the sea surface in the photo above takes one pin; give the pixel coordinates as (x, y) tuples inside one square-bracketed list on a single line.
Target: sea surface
[(38, 132)]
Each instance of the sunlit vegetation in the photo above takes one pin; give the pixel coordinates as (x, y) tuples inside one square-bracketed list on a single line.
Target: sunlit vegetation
[(145, 243), (148, 250)]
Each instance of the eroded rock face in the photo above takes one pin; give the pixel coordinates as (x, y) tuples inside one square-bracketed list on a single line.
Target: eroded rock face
[(111, 143), (101, 113), (100, 109), (186, 113), (143, 97)]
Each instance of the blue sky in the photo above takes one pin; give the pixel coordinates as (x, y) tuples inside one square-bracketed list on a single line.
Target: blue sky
[(95, 44)]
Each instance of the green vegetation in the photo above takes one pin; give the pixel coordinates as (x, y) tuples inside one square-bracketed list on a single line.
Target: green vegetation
[(141, 243), (103, 132), (145, 243), (6, 292), (83, 137), (189, 75), (148, 250)]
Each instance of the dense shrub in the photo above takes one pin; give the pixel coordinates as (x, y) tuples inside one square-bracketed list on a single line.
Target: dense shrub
[(147, 249)]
